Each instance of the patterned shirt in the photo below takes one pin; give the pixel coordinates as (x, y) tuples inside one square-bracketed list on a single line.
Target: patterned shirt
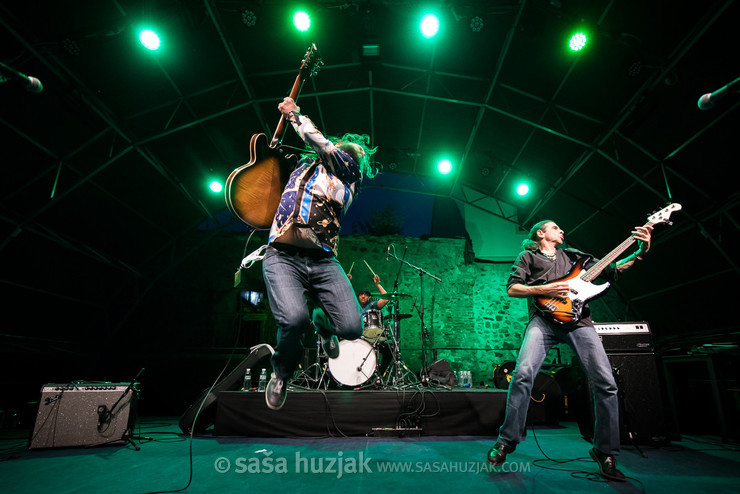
[(318, 193)]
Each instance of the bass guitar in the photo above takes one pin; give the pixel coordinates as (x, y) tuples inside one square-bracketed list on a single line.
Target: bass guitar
[(568, 310), (253, 190)]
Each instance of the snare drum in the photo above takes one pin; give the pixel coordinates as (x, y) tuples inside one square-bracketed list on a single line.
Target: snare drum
[(355, 364), (372, 322)]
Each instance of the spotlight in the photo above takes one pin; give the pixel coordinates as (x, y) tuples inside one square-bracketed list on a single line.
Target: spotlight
[(71, 46), (444, 166), (429, 25), (249, 18), (149, 39), (522, 189), (485, 171), (577, 41), (635, 68), (476, 24), (302, 21)]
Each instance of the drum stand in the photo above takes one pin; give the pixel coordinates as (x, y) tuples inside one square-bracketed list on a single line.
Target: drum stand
[(313, 375)]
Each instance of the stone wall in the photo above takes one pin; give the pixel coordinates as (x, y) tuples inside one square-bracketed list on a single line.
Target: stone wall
[(472, 322)]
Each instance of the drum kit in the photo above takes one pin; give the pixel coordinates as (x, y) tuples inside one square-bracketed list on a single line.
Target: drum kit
[(358, 362)]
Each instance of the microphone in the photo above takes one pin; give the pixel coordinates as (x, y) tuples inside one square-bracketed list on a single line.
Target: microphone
[(708, 100), (31, 84), (103, 416), (388, 253)]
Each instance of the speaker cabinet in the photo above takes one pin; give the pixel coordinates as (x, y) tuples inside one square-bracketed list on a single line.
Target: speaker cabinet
[(72, 415), (641, 417), (203, 409)]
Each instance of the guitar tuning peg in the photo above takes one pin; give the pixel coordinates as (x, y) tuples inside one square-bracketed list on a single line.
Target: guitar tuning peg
[(669, 223)]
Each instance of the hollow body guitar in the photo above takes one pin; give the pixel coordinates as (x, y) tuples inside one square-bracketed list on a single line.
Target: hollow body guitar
[(253, 190), (568, 310)]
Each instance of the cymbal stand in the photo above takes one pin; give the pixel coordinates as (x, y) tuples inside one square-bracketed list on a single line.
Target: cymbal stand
[(424, 371), (399, 376)]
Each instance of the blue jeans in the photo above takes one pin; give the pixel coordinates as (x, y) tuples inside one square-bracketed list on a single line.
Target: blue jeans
[(291, 274), (540, 337)]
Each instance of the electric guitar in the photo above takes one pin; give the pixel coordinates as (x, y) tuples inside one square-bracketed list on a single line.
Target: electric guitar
[(568, 310), (253, 190)]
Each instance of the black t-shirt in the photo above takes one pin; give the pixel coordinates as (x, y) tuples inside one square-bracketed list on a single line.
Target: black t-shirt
[(532, 267)]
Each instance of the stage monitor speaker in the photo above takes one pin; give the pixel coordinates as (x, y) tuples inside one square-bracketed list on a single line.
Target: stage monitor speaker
[(72, 415), (641, 418), (206, 400)]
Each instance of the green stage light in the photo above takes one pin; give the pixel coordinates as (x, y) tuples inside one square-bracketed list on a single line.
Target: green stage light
[(522, 189), (302, 21), (429, 25), (444, 166), (216, 186), (578, 41), (149, 39)]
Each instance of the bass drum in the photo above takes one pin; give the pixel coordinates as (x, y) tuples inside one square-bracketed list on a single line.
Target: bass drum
[(355, 364)]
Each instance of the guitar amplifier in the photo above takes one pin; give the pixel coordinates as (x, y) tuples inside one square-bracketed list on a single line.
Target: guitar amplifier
[(71, 415), (625, 337)]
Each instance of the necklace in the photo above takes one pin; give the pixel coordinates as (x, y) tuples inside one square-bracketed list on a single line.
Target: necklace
[(552, 256)]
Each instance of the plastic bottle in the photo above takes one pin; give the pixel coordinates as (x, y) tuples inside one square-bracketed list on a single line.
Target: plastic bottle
[(263, 380), (247, 384)]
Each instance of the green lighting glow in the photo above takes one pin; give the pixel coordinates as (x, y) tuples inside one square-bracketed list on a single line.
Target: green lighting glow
[(444, 166), (577, 41), (149, 39), (429, 25), (522, 189), (302, 21), (216, 186)]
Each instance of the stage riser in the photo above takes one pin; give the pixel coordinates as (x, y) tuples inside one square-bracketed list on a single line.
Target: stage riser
[(356, 413)]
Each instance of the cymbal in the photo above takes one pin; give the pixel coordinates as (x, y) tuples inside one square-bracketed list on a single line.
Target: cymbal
[(390, 295)]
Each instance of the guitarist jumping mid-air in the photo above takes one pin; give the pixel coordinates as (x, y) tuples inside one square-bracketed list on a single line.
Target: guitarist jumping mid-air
[(301, 256), (559, 288)]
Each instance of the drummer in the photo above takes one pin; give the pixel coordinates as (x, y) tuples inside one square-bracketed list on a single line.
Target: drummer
[(371, 334)]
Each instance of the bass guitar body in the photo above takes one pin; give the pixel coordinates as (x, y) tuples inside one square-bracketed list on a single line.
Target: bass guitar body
[(568, 310), (253, 190)]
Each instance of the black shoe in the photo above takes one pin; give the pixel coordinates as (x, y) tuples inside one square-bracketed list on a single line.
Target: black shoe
[(276, 392), (330, 345), (497, 454), (607, 465)]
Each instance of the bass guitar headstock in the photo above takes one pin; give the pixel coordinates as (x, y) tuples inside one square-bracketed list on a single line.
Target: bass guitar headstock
[(312, 62), (664, 215)]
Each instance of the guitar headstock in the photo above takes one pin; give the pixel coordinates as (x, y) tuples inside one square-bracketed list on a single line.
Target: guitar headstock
[(664, 214), (311, 62)]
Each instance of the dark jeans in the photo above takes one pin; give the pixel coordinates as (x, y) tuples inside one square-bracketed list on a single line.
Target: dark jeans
[(540, 337), (290, 275)]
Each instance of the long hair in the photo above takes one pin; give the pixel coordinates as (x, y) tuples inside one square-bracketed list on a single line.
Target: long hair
[(368, 167), (530, 243)]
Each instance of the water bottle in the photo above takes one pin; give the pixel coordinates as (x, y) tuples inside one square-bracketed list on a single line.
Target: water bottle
[(263, 380), (467, 379), (458, 378), (470, 379), (247, 384)]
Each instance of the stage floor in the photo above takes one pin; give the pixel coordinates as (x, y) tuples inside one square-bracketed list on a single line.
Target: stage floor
[(417, 411)]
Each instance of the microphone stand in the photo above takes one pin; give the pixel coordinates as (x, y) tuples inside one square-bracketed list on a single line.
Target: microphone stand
[(424, 372), (105, 414)]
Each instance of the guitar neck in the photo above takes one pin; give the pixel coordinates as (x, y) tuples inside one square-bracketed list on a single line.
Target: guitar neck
[(593, 272), (277, 137)]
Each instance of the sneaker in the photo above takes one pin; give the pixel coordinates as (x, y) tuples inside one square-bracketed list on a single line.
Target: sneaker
[(607, 465), (497, 454), (330, 345), (276, 392)]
